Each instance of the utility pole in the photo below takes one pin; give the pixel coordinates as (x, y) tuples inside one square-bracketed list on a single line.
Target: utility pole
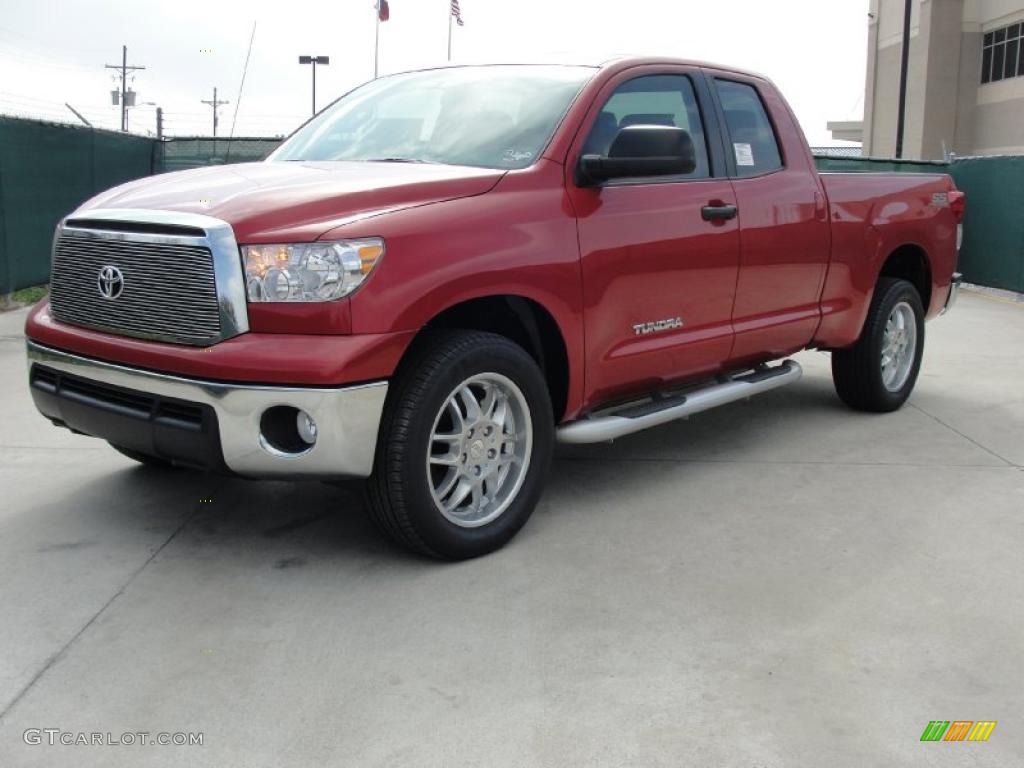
[(215, 103), (125, 69), (314, 60), (159, 123)]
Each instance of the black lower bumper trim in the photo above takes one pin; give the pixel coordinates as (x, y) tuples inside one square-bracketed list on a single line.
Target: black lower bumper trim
[(177, 431)]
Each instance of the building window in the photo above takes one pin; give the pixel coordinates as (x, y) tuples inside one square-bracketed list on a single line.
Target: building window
[(1003, 53)]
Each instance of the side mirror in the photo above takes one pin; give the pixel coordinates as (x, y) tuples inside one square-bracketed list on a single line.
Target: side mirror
[(640, 150)]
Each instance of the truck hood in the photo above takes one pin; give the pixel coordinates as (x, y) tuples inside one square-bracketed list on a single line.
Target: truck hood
[(295, 201)]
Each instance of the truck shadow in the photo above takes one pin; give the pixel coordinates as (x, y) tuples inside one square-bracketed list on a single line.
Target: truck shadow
[(286, 526)]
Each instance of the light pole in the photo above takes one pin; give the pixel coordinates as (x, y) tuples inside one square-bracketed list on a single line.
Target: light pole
[(314, 60), (901, 114), (140, 104)]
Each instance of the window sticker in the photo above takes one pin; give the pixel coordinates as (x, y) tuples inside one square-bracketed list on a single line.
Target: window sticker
[(516, 156), (744, 154)]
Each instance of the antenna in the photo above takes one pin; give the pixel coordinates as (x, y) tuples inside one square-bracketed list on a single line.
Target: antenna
[(238, 101)]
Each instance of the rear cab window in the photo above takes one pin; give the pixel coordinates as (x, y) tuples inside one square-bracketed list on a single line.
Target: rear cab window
[(751, 136)]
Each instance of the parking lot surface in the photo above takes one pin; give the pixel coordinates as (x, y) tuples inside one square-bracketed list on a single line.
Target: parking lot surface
[(781, 582)]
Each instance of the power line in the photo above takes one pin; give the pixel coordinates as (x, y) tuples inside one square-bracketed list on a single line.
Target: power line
[(20, 56), (39, 54)]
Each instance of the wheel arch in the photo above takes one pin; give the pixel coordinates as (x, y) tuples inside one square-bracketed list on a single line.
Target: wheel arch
[(520, 319), (910, 262)]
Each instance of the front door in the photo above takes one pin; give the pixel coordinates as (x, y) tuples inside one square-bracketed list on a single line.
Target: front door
[(659, 271)]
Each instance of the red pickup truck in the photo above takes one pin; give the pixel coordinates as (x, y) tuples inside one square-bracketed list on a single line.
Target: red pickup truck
[(444, 272)]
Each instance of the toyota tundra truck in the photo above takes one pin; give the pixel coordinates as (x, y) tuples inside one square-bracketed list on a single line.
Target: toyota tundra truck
[(445, 272)]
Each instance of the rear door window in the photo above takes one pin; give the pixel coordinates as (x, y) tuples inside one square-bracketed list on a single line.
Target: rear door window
[(754, 145)]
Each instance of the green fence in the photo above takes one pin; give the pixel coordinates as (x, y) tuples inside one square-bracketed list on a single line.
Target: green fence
[(993, 248), (178, 154), (877, 165), (46, 170)]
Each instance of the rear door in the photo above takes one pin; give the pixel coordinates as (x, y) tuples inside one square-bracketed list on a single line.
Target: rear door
[(784, 230), (658, 277)]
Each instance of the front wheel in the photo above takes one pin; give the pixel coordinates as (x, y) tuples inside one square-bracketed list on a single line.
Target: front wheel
[(878, 373), (464, 446)]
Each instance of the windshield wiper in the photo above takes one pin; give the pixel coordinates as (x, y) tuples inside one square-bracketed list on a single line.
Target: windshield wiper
[(400, 160)]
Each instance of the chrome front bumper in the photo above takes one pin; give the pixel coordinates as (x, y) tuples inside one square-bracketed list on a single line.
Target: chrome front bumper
[(347, 418)]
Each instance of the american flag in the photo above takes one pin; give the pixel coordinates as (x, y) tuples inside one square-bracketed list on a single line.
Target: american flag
[(457, 13)]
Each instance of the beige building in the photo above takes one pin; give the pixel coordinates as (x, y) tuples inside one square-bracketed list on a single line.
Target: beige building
[(965, 88)]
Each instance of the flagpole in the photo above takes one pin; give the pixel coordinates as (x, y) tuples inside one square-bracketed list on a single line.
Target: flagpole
[(450, 20), (376, 43)]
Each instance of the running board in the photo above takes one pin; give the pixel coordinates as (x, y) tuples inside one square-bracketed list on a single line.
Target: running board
[(634, 418)]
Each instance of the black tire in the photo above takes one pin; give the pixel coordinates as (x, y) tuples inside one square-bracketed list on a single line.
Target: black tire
[(857, 370), (143, 458), (399, 497)]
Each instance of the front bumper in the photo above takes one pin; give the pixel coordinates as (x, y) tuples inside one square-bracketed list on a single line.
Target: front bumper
[(209, 424)]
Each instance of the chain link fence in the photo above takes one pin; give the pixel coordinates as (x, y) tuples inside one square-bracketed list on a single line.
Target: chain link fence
[(836, 151), (181, 153)]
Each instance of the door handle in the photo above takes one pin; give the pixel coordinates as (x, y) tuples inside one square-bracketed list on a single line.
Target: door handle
[(718, 212)]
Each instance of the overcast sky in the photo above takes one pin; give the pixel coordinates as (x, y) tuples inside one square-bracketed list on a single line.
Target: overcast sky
[(53, 51)]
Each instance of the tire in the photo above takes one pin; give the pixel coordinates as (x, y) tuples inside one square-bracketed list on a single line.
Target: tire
[(408, 492), (143, 458), (861, 378)]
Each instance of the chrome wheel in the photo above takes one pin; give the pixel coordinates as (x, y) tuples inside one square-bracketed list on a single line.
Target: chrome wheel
[(899, 346), (479, 450)]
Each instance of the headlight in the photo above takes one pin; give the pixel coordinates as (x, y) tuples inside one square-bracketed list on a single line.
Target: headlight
[(308, 271)]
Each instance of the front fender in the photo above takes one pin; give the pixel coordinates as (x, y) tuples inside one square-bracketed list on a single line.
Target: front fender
[(519, 239)]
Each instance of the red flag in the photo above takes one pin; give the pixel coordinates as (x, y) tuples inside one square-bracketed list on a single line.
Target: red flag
[(457, 12), (383, 12)]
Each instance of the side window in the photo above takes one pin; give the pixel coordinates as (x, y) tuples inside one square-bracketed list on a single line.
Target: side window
[(750, 131), (651, 100)]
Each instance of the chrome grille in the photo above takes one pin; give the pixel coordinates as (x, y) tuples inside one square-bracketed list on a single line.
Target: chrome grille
[(169, 289)]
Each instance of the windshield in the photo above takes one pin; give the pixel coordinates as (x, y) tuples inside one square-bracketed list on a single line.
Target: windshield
[(488, 117)]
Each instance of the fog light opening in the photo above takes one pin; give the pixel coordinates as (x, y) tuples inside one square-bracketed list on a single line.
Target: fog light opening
[(287, 431)]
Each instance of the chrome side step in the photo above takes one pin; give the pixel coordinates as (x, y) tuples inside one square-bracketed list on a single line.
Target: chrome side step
[(634, 418)]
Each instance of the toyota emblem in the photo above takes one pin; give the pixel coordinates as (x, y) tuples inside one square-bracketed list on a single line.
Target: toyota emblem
[(110, 282)]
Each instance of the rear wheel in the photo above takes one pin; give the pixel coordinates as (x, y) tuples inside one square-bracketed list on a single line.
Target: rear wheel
[(878, 373), (464, 446)]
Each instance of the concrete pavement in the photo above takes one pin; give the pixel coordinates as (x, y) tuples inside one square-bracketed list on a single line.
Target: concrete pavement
[(781, 582)]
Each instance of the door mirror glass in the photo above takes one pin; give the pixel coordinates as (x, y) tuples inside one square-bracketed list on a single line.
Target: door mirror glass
[(634, 118), (640, 151)]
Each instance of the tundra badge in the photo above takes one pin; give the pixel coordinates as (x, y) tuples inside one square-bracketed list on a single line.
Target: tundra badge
[(656, 326)]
